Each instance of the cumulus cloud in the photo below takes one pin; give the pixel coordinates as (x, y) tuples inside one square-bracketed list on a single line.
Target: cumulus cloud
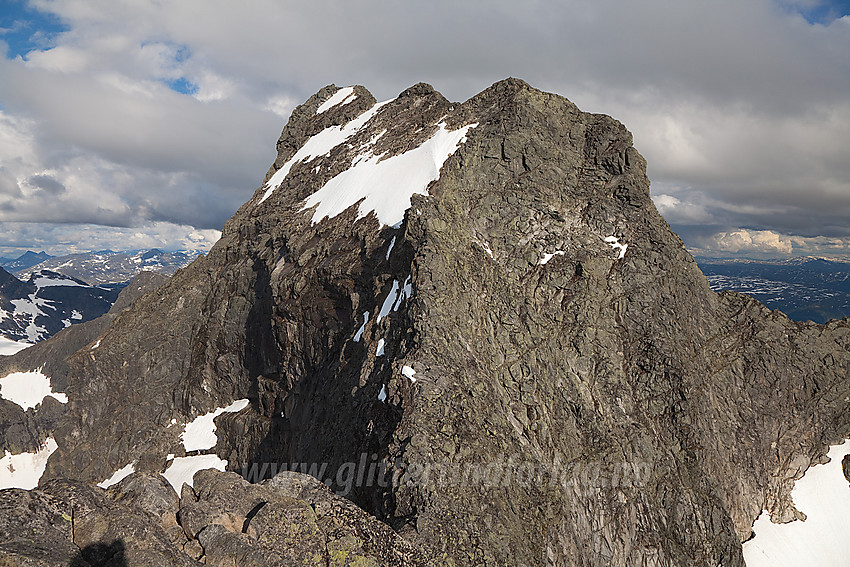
[(73, 238), (767, 243), (151, 112), (752, 241)]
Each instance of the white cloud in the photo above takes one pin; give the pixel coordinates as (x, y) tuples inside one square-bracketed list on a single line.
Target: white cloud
[(752, 241), (59, 239), (740, 108), (767, 243)]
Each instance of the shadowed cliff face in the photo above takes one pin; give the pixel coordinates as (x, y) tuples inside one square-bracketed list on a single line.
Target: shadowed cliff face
[(543, 370)]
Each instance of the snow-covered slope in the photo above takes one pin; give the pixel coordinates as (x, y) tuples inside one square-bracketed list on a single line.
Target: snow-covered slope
[(823, 538), (33, 310)]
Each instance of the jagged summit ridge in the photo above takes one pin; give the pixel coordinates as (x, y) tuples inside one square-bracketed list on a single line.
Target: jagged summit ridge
[(379, 179), (531, 312)]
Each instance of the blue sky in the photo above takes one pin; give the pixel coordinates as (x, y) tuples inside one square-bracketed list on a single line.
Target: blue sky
[(26, 28), (822, 12), (132, 123)]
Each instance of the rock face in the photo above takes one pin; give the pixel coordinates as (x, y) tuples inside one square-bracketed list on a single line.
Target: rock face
[(526, 368)]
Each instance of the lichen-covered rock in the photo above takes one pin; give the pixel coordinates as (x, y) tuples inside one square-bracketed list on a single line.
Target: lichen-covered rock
[(224, 520), (72, 523), (291, 519)]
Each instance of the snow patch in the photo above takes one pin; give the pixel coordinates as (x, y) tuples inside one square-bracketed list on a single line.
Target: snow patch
[(340, 98), (823, 494), (95, 345), (386, 186), (28, 389), (8, 347), (182, 469), (409, 372), (25, 469), (359, 332), (614, 242), (31, 306), (391, 299), (406, 293), (51, 281), (118, 476), (380, 350), (382, 395), (546, 257), (390, 249), (200, 434), (320, 145), (486, 248)]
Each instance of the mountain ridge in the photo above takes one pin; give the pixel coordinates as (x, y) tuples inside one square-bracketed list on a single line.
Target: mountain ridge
[(531, 308)]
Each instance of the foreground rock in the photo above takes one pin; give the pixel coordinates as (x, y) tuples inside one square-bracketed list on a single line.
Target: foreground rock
[(290, 520)]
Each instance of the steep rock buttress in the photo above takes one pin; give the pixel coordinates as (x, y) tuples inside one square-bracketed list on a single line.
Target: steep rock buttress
[(482, 300)]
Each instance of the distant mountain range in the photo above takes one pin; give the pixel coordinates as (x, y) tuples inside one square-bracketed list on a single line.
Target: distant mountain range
[(24, 261), (807, 288), (42, 294), (47, 302), (102, 267)]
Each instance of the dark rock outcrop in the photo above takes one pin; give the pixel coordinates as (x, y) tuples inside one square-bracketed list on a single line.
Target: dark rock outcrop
[(551, 382)]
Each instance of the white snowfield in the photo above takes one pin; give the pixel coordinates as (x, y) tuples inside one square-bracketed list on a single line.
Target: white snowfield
[(823, 540), (383, 186), (182, 469), (118, 476), (320, 145), (386, 186), (31, 308), (340, 98), (9, 347), (28, 389), (398, 293), (615, 244), (409, 372), (362, 328), (548, 256), (199, 434), (43, 280), (25, 469)]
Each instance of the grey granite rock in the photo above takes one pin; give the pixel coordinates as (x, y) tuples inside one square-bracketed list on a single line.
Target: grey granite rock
[(581, 396)]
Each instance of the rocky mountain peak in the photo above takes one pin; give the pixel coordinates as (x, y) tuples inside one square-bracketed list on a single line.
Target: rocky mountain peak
[(478, 306)]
